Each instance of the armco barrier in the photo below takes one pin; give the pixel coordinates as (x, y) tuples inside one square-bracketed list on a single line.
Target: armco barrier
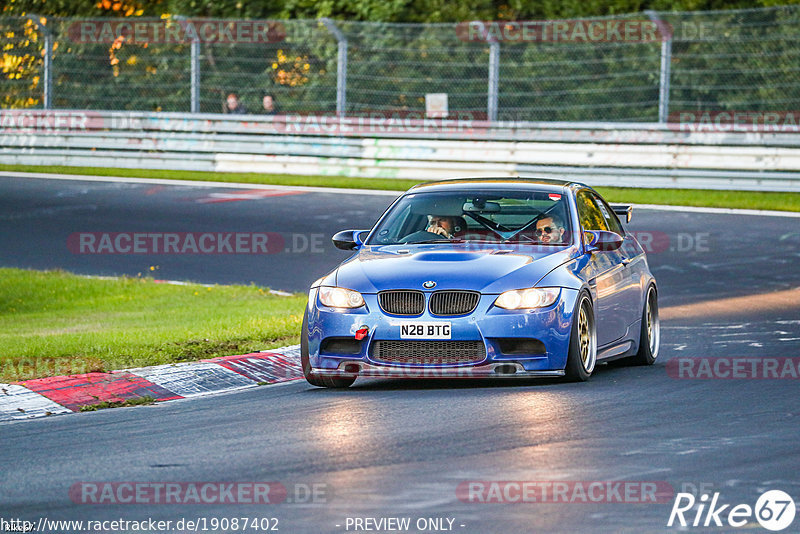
[(623, 154)]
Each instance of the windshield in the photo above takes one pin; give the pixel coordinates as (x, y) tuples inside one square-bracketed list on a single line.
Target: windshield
[(521, 217)]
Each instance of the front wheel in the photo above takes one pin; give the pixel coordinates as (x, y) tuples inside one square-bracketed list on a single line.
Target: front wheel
[(313, 378), (582, 355)]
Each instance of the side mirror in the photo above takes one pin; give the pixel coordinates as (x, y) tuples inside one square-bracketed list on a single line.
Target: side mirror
[(601, 240), (349, 239)]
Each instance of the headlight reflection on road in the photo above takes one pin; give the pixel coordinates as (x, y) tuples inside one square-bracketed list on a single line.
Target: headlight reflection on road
[(735, 306), (344, 426), (541, 418), (350, 435)]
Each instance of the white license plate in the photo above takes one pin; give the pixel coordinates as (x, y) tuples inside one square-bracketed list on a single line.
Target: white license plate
[(425, 330)]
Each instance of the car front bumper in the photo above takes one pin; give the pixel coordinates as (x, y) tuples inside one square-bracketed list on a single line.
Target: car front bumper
[(492, 326)]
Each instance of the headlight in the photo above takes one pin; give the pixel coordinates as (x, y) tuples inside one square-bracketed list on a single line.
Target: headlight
[(535, 297), (339, 297)]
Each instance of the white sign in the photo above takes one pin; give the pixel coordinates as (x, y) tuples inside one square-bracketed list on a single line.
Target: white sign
[(436, 105)]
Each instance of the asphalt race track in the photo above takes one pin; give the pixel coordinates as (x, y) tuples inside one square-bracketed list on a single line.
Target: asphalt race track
[(402, 448), (38, 216)]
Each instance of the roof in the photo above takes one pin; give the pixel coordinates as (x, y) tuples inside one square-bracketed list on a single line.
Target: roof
[(540, 184)]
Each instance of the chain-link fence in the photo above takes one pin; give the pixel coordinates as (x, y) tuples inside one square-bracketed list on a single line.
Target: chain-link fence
[(638, 67)]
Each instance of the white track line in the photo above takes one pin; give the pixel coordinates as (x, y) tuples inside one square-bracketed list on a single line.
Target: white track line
[(178, 283), (193, 183), (723, 211)]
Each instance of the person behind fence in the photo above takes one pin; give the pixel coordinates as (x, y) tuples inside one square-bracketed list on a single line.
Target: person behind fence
[(232, 105), (550, 230), (269, 105)]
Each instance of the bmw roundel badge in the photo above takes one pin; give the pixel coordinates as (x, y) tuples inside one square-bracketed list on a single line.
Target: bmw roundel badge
[(430, 284)]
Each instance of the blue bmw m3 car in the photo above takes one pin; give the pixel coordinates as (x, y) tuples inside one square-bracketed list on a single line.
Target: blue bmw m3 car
[(508, 277)]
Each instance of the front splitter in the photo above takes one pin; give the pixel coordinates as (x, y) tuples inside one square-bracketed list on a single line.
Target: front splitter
[(347, 368)]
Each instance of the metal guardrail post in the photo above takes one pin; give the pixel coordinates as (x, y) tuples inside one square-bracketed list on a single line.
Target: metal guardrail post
[(341, 66), (666, 60), (47, 68)]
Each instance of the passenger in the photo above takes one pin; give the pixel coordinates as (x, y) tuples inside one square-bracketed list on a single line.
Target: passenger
[(550, 230)]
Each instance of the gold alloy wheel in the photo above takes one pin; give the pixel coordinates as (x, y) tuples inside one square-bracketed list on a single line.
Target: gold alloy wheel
[(653, 325), (586, 338)]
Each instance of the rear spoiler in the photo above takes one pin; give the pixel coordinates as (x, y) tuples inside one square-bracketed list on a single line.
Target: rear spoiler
[(623, 211)]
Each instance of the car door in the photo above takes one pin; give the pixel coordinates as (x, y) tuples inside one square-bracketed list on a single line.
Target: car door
[(605, 272), (631, 257)]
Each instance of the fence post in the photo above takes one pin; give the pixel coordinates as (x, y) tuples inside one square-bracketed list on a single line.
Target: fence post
[(666, 60), (195, 74), (194, 70), (47, 75), (494, 79), (341, 67), (494, 71)]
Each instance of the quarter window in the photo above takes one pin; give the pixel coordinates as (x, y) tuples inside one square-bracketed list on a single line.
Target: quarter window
[(589, 213), (608, 214)]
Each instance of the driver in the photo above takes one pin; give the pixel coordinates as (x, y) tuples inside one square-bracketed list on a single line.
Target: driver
[(443, 225), (550, 230)]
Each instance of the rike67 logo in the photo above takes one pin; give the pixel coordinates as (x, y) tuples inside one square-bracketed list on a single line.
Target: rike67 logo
[(774, 510)]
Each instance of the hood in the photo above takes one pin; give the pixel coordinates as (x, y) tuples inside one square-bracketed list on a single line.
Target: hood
[(488, 270)]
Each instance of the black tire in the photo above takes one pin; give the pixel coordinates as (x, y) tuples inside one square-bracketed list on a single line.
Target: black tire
[(314, 379), (650, 333), (582, 355)]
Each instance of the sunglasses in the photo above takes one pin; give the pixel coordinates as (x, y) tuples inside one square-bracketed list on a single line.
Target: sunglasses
[(545, 230)]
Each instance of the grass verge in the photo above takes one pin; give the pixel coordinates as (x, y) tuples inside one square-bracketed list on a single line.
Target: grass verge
[(56, 323), (141, 401), (678, 197)]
